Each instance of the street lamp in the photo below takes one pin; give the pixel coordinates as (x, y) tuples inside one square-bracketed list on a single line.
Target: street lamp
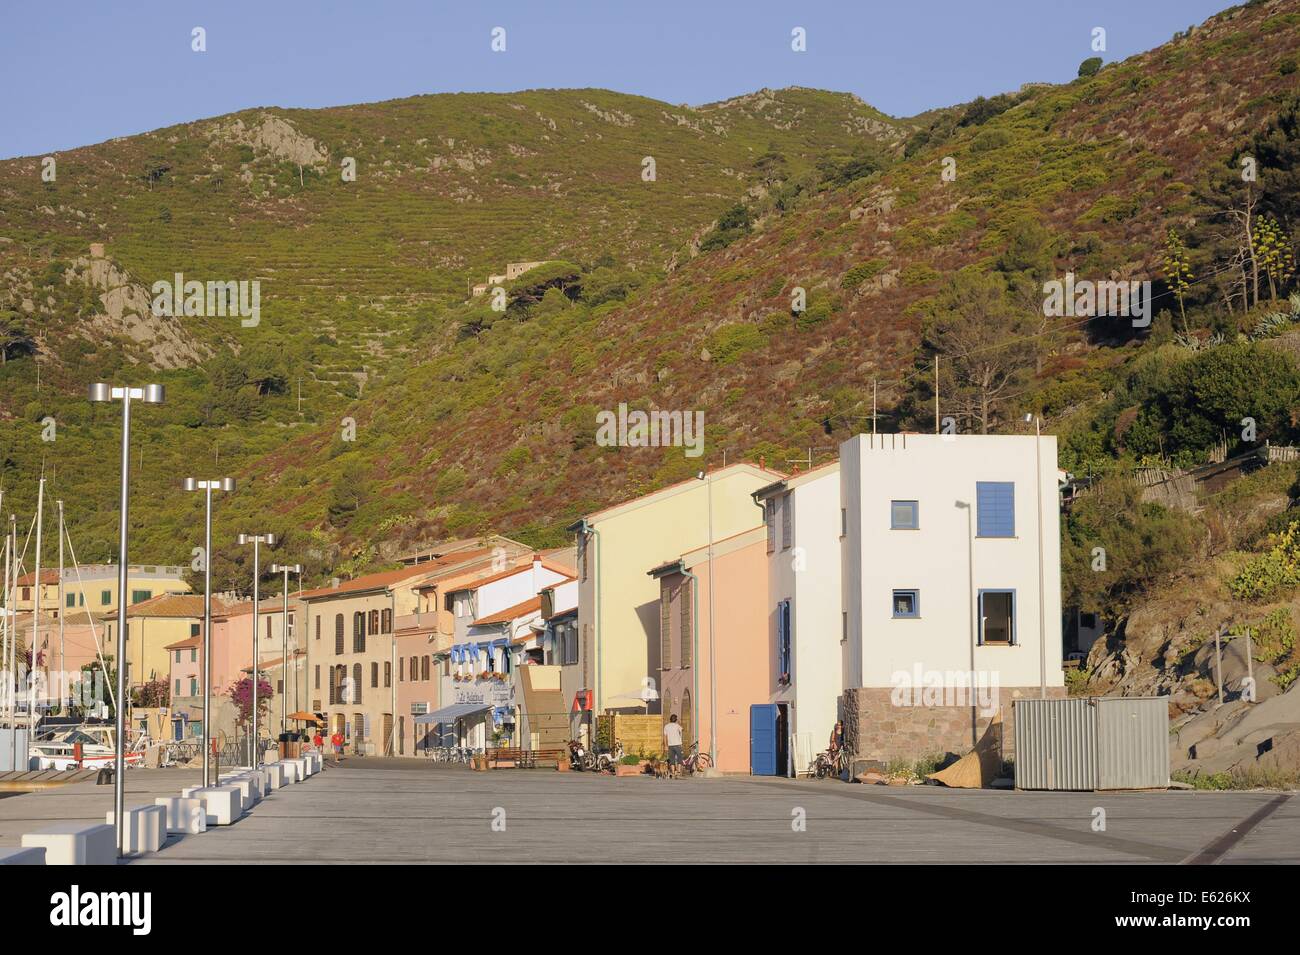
[(286, 569), (150, 395), (207, 487), (257, 540), (1031, 418)]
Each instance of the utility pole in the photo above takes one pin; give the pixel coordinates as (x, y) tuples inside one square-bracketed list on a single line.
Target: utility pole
[(36, 611), (936, 394)]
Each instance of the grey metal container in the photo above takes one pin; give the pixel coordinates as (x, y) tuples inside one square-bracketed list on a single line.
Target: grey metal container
[(1094, 743)]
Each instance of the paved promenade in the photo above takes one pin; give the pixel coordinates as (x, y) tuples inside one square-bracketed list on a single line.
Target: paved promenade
[(401, 811)]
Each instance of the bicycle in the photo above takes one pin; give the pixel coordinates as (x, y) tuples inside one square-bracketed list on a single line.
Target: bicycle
[(695, 761), (827, 765)]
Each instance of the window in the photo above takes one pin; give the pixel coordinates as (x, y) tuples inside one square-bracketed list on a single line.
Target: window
[(105, 598), (783, 643), (338, 633), (907, 603), (844, 522), (373, 625), (687, 629), (291, 623), (374, 675), (318, 627), (279, 687), (140, 595), (359, 632), (386, 620), (194, 686), (194, 629), (401, 669), (70, 601), (268, 626), (769, 518), (904, 515), (424, 668), (27, 593), (194, 654), (316, 678), (787, 522), (997, 618), (356, 683), (178, 660), (996, 505), (178, 686), (568, 643), (844, 626), (388, 673), (415, 669)]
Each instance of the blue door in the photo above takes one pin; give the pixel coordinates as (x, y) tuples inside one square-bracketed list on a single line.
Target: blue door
[(762, 739)]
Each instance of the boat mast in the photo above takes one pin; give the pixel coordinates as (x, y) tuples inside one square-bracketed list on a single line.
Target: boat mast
[(36, 612)]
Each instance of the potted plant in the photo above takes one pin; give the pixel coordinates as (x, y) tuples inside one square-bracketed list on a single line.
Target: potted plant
[(633, 764)]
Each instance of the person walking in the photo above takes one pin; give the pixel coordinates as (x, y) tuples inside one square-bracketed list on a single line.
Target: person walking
[(337, 742), (673, 740)]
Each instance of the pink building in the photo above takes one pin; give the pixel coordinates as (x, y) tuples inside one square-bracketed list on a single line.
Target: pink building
[(715, 609)]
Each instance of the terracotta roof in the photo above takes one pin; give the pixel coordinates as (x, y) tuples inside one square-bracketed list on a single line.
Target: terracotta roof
[(272, 664), (48, 576), (184, 644), (171, 605), (377, 581), (531, 605), (268, 605)]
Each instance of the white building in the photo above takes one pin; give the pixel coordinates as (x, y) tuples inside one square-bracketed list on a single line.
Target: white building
[(951, 576), (802, 516)]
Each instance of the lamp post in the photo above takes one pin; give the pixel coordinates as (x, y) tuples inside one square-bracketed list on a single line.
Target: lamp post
[(150, 395), (286, 569), (1042, 609), (207, 487), (257, 540)]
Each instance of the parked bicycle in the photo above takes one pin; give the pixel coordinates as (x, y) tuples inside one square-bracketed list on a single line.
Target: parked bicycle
[(695, 761), (829, 764)]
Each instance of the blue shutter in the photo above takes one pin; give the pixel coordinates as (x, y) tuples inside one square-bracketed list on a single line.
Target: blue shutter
[(783, 641), (996, 508)]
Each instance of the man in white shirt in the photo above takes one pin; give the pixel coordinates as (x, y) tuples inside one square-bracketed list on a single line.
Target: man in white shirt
[(673, 739)]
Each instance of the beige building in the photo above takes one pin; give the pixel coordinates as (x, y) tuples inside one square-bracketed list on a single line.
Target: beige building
[(618, 601), (150, 626)]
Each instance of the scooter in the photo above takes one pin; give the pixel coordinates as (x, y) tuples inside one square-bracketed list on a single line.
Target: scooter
[(608, 761)]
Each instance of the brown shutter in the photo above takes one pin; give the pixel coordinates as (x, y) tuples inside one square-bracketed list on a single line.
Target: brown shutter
[(686, 621), (338, 634), (665, 625)]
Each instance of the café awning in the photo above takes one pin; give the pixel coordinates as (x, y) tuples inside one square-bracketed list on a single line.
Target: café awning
[(454, 712)]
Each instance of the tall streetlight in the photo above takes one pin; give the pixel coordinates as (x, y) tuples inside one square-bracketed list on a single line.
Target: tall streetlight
[(286, 569), (207, 487), (1042, 609), (150, 395), (257, 540)]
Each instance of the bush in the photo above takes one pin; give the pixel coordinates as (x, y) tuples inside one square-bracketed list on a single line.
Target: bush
[(1277, 569), (1090, 67)]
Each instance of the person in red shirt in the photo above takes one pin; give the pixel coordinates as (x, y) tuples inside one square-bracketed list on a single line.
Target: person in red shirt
[(318, 742), (337, 741)]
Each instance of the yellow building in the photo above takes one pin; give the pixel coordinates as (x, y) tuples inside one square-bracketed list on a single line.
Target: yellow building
[(618, 601), (151, 626), (92, 588)]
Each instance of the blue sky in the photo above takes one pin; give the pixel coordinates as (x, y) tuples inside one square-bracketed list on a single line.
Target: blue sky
[(81, 71)]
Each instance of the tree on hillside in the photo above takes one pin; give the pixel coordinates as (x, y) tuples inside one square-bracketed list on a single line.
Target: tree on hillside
[(15, 337), (985, 347), (1090, 67), (1178, 271)]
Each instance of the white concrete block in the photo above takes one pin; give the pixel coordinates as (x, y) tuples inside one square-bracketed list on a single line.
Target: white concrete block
[(275, 776), (248, 785), (35, 856), (75, 843), (146, 828), (222, 804), (184, 814), (292, 774)]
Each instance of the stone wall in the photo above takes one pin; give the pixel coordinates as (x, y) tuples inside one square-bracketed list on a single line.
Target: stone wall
[(878, 729)]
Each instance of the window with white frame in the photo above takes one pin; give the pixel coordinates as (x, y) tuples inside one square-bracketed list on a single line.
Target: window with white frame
[(907, 603), (997, 618), (904, 515)]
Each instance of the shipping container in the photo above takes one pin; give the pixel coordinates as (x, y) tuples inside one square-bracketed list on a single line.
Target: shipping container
[(1094, 743)]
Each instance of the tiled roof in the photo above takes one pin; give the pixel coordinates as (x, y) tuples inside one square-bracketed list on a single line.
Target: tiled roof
[(532, 605), (48, 576), (184, 644), (377, 581), (172, 605)]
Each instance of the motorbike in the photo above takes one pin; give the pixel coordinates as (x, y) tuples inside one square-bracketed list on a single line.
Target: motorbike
[(580, 758)]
